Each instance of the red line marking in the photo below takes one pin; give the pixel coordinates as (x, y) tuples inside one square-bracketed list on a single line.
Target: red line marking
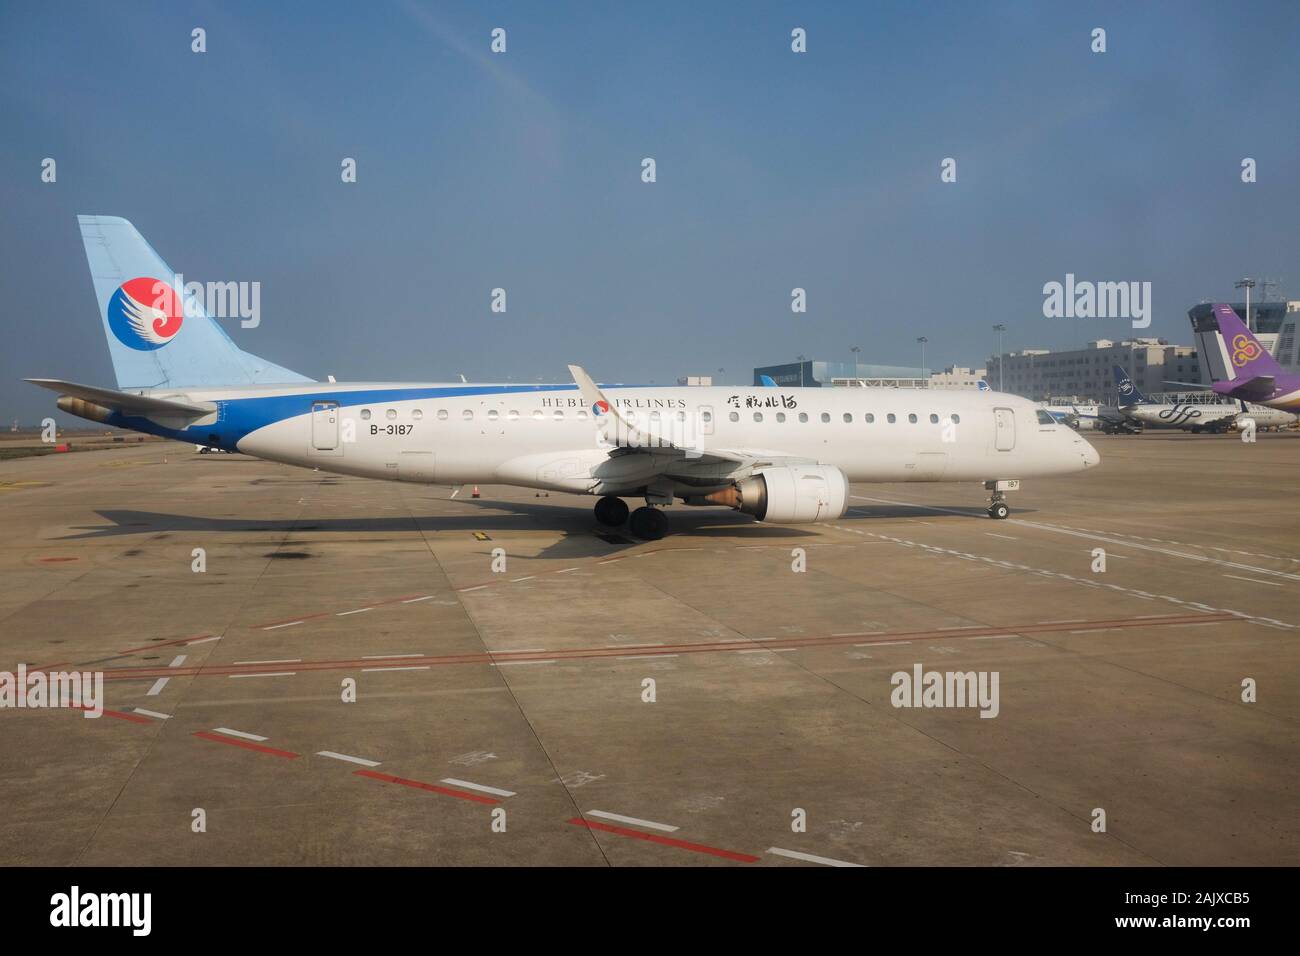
[(134, 718), (666, 841), (56, 560), (179, 640), (593, 653), (218, 738), (419, 785)]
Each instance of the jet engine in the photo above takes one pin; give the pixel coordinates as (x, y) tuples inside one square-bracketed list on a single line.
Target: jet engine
[(794, 494)]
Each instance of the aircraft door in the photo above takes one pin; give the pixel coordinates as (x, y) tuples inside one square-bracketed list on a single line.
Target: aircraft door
[(1004, 420), (325, 426)]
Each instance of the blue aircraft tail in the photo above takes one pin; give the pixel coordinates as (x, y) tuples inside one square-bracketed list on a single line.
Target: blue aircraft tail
[(1128, 393), (158, 335)]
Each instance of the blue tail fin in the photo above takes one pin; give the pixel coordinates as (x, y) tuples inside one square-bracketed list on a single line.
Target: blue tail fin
[(159, 336), (1128, 393)]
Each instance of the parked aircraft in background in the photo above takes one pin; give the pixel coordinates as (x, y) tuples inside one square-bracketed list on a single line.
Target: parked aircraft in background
[(1239, 365)]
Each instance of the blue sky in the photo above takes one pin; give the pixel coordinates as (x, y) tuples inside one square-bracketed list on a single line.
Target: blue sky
[(522, 170)]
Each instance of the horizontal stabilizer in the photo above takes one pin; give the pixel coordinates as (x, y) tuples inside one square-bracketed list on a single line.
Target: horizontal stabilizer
[(125, 402)]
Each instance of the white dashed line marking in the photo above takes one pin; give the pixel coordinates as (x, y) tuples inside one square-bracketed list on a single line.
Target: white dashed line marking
[(1272, 584), (152, 713), (237, 733), (496, 791), (634, 821), (361, 760), (808, 857)]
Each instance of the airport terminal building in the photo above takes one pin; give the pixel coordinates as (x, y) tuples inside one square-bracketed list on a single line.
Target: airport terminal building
[(817, 374), (1086, 374)]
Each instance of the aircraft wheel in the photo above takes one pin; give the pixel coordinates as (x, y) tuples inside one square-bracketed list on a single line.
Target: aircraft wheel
[(999, 510), (649, 524), (611, 511)]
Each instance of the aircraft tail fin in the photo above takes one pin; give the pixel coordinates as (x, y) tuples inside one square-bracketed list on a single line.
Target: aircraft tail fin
[(159, 335), (1128, 392), (1231, 351)]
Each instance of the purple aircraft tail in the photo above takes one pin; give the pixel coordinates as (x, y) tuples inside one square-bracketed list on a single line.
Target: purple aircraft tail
[(1237, 362)]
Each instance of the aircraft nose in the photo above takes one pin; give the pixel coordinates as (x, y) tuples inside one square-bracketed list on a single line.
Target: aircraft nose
[(1091, 457)]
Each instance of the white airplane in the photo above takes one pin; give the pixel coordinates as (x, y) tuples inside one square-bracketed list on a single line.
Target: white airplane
[(778, 454), (1194, 416)]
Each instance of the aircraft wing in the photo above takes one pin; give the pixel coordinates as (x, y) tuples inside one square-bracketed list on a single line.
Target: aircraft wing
[(623, 437), (124, 402)]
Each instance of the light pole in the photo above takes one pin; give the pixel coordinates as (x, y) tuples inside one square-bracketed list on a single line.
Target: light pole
[(999, 329), (922, 340), (1246, 284), (855, 350), (800, 358)]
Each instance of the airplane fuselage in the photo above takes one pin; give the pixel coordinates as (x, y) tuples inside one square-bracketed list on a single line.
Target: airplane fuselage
[(546, 437)]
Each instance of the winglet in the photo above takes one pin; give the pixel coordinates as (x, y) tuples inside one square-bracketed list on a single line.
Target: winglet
[(591, 395)]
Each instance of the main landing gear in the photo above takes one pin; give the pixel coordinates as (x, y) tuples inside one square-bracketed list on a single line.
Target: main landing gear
[(998, 508), (611, 511), (649, 524)]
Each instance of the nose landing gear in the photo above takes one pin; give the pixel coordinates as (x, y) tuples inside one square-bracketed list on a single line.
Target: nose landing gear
[(998, 508)]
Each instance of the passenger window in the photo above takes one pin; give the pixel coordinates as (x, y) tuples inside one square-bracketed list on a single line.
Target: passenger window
[(803, 416), (558, 414), (734, 416), (706, 416), (848, 417), (934, 419), (365, 414), (758, 416), (681, 416), (582, 413), (513, 414), (467, 414), (956, 419), (442, 414), (417, 414), (391, 413), (891, 418), (826, 416), (780, 416), (912, 418), (870, 418), (492, 414), (537, 413)]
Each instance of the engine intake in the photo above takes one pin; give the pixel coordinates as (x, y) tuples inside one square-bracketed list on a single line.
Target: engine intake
[(795, 494)]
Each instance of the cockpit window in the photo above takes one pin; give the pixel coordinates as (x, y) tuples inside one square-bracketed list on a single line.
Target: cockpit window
[(1045, 419)]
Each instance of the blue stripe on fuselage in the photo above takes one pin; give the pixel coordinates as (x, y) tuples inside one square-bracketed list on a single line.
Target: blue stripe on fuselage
[(238, 417)]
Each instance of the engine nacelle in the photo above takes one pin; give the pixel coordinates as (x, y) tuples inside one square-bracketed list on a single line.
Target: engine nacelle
[(795, 494)]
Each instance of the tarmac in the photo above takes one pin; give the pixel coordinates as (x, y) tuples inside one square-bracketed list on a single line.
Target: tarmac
[(533, 689)]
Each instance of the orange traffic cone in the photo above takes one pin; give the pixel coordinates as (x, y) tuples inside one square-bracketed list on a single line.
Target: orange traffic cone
[(475, 493)]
